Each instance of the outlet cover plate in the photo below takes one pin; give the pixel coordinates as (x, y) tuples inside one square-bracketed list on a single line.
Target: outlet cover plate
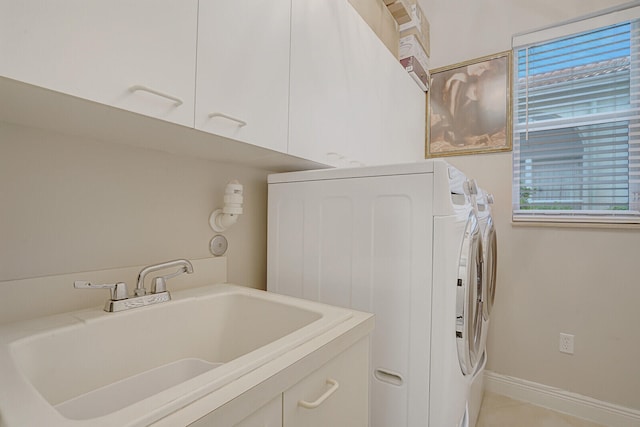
[(566, 343)]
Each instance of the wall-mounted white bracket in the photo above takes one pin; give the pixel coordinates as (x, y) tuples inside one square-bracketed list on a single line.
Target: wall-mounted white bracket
[(221, 219)]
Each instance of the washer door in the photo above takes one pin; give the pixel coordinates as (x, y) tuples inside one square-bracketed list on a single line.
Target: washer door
[(469, 298), (490, 262)]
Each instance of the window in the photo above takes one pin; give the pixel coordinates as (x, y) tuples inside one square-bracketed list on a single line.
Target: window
[(577, 126)]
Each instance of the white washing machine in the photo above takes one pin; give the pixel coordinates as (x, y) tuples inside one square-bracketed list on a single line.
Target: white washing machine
[(483, 202), (402, 242), (457, 288)]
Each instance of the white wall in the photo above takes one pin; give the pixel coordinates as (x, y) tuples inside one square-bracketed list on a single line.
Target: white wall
[(69, 204), (550, 280)]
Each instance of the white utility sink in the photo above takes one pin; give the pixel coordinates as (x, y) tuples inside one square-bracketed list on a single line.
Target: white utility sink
[(92, 368)]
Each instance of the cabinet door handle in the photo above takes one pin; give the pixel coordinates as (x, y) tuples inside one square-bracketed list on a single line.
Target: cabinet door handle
[(225, 116), (312, 405), (136, 88)]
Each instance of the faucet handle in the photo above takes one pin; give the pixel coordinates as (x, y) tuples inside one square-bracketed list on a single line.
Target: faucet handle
[(118, 290), (159, 284)]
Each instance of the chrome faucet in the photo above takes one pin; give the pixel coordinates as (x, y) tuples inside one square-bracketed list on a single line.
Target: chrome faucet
[(120, 301), (160, 283)]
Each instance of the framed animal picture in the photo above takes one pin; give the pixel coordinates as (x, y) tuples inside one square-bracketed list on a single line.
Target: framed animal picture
[(469, 107)]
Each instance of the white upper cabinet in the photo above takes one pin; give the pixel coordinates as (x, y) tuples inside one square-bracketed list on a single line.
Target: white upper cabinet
[(403, 115), (242, 84), (322, 80), (349, 95), (307, 79), (135, 55), (362, 53)]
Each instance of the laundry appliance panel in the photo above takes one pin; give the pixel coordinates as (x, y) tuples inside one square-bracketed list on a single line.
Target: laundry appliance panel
[(364, 238)]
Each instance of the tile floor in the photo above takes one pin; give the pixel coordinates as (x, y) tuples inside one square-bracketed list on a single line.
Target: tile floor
[(501, 411)]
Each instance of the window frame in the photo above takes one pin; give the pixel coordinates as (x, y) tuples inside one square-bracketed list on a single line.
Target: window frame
[(613, 16)]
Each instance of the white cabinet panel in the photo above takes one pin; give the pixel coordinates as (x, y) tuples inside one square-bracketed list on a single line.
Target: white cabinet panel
[(363, 56), (320, 79), (335, 101), (349, 95), (403, 115), (334, 395), (270, 415), (242, 87), (99, 50), (308, 78)]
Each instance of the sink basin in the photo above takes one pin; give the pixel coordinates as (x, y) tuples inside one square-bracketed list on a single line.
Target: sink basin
[(110, 398), (134, 367)]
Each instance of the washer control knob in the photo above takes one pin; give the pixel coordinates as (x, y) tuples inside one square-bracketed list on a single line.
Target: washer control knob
[(471, 187)]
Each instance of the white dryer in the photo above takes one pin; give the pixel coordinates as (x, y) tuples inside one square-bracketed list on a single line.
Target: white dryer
[(489, 259), (483, 202), (402, 242)]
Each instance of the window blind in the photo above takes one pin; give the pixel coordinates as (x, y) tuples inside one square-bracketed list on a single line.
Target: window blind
[(577, 127)]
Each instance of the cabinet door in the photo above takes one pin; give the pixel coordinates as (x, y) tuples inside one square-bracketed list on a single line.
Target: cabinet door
[(365, 83), (323, 77), (242, 87), (136, 55), (335, 395), (403, 115), (352, 103)]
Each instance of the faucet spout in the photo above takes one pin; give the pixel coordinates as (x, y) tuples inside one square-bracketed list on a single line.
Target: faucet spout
[(185, 267)]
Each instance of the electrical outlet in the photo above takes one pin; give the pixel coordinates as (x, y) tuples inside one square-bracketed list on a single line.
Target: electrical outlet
[(566, 343)]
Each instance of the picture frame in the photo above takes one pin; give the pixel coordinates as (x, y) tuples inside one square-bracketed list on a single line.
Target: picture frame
[(469, 107)]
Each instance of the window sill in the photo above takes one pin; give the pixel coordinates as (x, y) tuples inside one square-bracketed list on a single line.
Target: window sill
[(567, 224)]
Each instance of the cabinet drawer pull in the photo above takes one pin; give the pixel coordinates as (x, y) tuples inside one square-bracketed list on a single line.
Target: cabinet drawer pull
[(225, 116), (136, 88), (312, 405)]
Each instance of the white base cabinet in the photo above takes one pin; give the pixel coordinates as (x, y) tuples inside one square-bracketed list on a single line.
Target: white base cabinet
[(335, 394), (269, 415)]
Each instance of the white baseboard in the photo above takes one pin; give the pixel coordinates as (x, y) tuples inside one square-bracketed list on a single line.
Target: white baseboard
[(563, 401)]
